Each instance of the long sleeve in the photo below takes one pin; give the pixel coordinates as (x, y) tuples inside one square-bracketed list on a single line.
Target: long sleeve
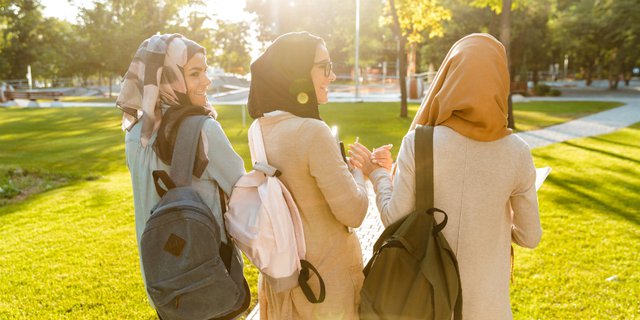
[(225, 165), (345, 193), (525, 229), (398, 199)]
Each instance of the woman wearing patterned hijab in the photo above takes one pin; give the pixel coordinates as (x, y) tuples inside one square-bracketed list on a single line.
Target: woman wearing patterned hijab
[(288, 81), (165, 83), (481, 171)]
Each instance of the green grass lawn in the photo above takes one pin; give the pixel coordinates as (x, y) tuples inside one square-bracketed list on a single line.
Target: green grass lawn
[(68, 250), (66, 99), (87, 99), (590, 214)]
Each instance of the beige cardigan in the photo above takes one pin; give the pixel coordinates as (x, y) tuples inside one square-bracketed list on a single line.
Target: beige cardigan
[(330, 201), (474, 183)]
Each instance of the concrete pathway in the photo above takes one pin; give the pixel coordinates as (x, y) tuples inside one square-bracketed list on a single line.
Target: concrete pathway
[(593, 125), (596, 124)]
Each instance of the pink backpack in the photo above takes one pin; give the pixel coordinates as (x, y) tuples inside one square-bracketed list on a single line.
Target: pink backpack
[(265, 224)]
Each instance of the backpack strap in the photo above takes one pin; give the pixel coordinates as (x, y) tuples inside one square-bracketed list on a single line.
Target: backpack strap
[(258, 153), (303, 280), (184, 150), (424, 186), (423, 147)]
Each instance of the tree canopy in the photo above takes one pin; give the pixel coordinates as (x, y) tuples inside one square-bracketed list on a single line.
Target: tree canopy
[(594, 38)]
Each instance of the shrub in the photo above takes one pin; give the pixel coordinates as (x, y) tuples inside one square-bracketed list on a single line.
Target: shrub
[(541, 89), (555, 93)]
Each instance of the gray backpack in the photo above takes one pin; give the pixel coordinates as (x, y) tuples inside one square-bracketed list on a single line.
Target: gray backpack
[(190, 273)]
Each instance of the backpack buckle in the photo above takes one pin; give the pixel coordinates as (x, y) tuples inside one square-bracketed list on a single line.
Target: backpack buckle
[(267, 169)]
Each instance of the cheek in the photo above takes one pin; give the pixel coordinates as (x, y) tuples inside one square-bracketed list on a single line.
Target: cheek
[(317, 80)]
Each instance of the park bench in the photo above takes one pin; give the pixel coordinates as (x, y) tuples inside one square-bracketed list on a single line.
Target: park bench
[(519, 87), (33, 97)]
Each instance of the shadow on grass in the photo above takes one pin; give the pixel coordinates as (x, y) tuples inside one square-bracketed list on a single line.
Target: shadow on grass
[(618, 205), (593, 178), (599, 138), (607, 153)]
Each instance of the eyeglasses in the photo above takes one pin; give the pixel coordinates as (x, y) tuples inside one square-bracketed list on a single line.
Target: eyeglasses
[(327, 65)]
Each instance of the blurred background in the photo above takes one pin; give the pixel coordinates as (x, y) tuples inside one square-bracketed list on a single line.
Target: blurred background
[(83, 47)]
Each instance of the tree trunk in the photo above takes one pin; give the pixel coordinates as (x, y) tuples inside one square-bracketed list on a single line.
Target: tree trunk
[(403, 61), (505, 38), (535, 77), (613, 82), (588, 75), (110, 85)]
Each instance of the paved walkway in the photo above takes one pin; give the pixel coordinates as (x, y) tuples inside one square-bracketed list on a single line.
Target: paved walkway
[(593, 125)]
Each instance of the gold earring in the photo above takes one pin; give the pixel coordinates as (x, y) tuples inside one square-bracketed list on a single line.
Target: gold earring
[(303, 98)]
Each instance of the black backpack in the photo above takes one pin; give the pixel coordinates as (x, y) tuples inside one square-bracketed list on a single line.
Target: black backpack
[(413, 273), (190, 273)]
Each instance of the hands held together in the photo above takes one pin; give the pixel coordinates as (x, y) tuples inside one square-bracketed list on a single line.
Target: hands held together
[(368, 161)]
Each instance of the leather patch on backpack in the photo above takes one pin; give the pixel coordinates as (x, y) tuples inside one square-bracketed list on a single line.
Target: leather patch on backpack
[(174, 245)]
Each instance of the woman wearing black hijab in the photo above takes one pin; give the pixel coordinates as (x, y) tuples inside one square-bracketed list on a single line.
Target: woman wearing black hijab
[(289, 81)]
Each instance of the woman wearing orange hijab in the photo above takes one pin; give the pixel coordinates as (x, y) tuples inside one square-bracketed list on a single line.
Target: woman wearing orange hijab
[(481, 171)]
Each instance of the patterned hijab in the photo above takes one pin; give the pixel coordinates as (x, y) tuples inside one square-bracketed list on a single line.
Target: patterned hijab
[(281, 77), (469, 93), (155, 79)]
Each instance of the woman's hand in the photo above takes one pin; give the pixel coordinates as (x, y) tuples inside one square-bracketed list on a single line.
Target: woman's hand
[(382, 157), (361, 158)]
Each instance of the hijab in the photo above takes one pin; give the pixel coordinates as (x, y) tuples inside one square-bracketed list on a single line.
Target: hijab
[(470, 90), (155, 80), (281, 77)]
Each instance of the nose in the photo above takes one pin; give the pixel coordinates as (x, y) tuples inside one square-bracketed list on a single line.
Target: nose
[(332, 76), (207, 81)]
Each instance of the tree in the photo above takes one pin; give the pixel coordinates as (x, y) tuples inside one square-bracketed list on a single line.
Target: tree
[(230, 46), (113, 29), (601, 36), (503, 8), (410, 20), (333, 20), (20, 38)]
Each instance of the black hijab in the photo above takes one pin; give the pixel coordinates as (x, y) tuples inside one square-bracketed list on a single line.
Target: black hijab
[(281, 77)]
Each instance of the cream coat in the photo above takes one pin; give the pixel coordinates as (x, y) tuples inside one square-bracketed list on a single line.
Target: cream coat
[(330, 202), (474, 183)]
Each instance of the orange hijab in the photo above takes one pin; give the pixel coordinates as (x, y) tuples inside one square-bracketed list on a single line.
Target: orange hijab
[(469, 93)]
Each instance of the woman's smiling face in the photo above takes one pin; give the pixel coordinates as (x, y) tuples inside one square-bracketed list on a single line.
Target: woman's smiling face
[(195, 76), (322, 74)]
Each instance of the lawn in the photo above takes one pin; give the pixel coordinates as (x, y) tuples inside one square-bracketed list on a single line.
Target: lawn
[(87, 99), (68, 250), (586, 266)]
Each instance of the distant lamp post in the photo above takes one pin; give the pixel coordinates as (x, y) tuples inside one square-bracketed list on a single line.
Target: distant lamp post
[(29, 78), (357, 64)]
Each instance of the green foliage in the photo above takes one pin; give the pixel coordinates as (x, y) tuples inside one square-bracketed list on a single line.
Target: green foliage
[(541, 89), (21, 32), (231, 49), (600, 35), (496, 5), (333, 20), (555, 92), (418, 17), (106, 37)]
